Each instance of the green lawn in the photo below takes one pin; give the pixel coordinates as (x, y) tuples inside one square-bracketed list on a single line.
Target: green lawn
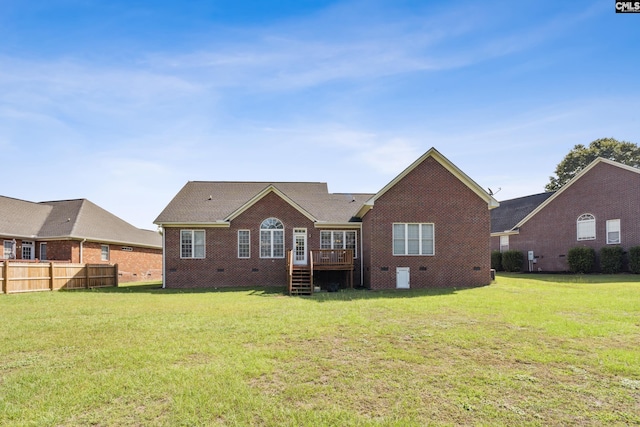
[(532, 350)]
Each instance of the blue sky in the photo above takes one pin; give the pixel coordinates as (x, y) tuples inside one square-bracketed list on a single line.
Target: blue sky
[(123, 102)]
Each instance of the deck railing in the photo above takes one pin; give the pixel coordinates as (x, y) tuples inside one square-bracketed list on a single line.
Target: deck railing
[(332, 258)]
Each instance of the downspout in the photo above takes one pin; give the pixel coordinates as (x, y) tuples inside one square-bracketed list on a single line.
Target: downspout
[(81, 251), (361, 259)]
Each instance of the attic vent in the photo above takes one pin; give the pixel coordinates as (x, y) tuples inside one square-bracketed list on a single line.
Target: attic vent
[(127, 248)]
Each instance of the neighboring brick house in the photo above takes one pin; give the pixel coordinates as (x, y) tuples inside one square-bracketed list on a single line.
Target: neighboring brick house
[(78, 231), (600, 206), (429, 227)]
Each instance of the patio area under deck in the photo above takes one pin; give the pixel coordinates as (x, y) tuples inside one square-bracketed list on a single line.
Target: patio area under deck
[(300, 277)]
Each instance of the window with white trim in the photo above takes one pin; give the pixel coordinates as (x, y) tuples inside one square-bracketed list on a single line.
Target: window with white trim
[(413, 239), (339, 239), (8, 249), (613, 232), (104, 252), (586, 227), (271, 238), (244, 244), (504, 243), (43, 251), (192, 244)]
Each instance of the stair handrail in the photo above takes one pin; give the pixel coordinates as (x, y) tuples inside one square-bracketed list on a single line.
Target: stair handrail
[(311, 270), (290, 269)]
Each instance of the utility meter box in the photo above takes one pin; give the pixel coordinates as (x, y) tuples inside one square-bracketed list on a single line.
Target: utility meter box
[(531, 257)]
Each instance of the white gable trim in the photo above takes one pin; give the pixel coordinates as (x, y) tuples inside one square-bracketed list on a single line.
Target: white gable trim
[(455, 171), (570, 183), (505, 233), (255, 199)]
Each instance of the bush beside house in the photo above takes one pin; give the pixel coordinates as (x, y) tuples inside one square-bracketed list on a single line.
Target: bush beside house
[(512, 261), (634, 259), (496, 260), (611, 258), (581, 259)]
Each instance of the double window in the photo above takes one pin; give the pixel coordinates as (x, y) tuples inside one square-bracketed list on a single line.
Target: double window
[(413, 239), (339, 240), (271, 238), (192, 243)]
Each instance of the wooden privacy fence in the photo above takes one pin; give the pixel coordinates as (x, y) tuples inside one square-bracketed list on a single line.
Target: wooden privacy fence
[(18, 276)]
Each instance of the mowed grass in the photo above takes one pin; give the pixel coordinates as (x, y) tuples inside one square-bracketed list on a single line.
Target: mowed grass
[(526, 350)]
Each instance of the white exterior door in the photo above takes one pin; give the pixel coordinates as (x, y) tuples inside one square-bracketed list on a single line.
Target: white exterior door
[(402, 278), (300, 246), (28, 250)]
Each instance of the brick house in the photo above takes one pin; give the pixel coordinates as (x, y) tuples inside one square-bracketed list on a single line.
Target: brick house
[(600, 206), (429, 227), (78, 231)]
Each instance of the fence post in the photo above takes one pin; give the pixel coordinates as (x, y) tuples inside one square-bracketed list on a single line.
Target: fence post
[(51, 275), (115, 275), (86, 276), (5, 283)]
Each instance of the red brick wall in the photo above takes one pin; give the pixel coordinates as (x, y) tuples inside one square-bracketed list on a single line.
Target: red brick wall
[(221, 266), (62, 250), (607, 192), (140, 264), (430, 194)]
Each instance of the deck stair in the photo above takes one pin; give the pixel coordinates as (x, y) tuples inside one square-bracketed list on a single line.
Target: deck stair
[(301, 282)]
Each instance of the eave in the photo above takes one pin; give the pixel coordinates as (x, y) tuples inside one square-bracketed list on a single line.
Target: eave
[(338, 225), (207, 224)]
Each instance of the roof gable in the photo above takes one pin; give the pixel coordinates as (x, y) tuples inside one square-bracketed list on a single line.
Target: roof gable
[(573, 180), (270, 189), (446, 163), (512, 211)]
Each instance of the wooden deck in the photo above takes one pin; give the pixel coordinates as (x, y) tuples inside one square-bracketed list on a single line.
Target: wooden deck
[(301, 276)]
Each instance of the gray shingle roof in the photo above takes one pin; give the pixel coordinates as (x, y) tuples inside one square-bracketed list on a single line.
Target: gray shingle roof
[(210, 201), (511, 212), (19, 218), (63, 219)]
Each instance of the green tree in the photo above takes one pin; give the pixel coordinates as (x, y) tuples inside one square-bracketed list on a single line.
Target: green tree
[(580, 156)]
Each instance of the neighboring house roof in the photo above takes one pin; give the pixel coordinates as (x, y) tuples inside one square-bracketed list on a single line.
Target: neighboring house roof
[(22, 219), (552, 196), (218, 203), (215, 202), (70, 219), (512, 211)]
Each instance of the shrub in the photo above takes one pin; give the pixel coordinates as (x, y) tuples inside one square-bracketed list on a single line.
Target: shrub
[(512, 261), (496, 260), (581, 259), (634, 259), (611, 259)]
